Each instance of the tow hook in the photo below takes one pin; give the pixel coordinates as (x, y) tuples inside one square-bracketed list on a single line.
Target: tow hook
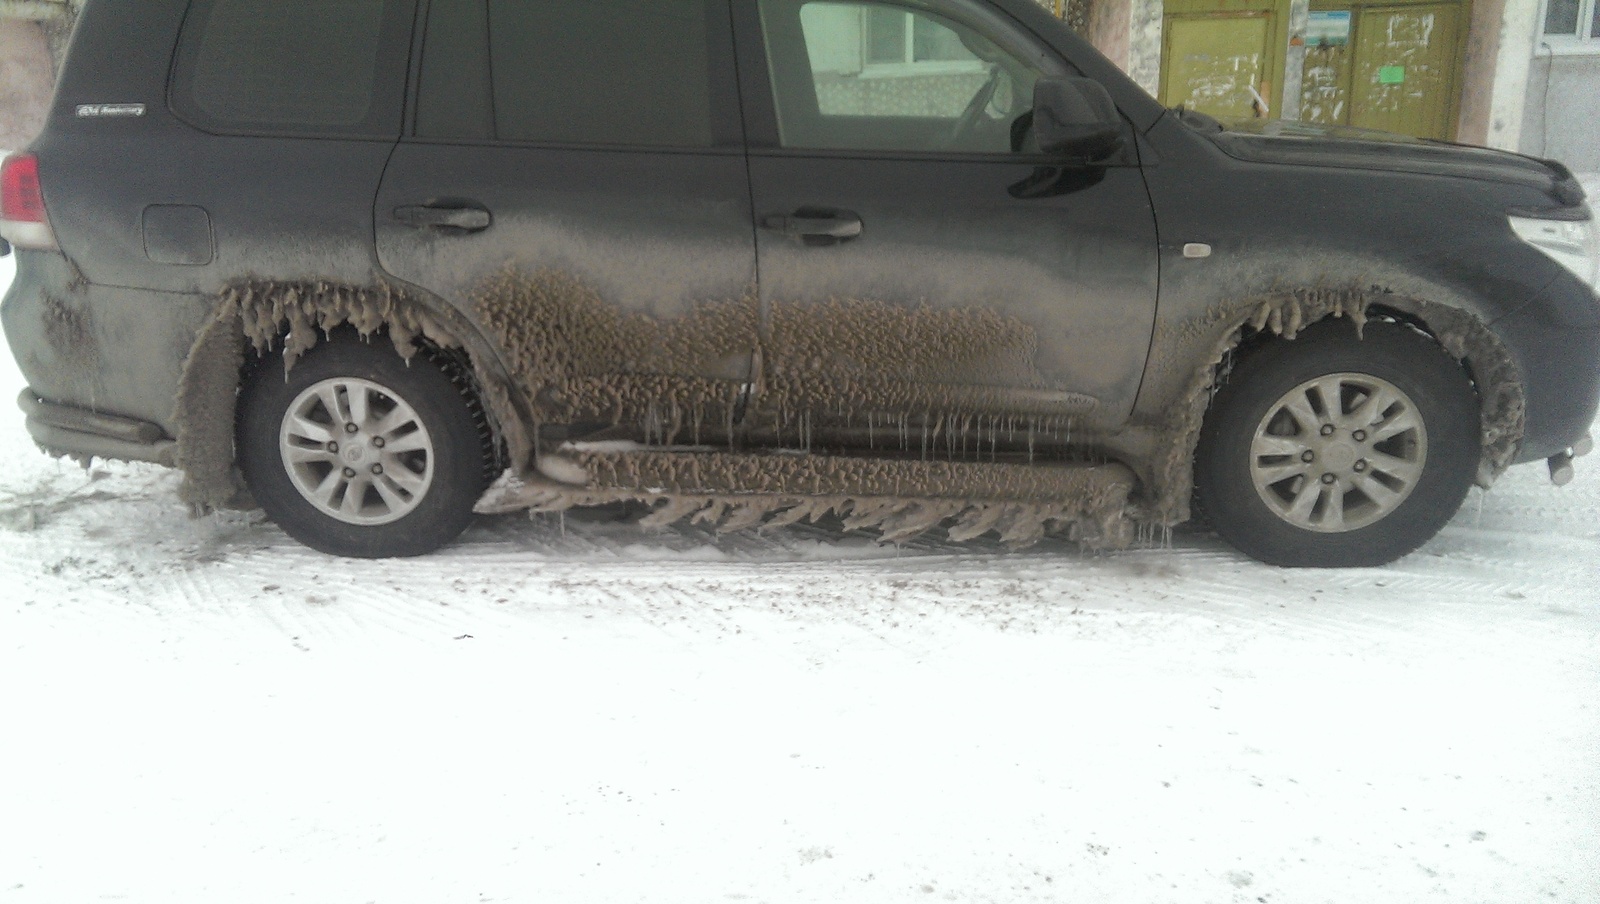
[(1561, 465)]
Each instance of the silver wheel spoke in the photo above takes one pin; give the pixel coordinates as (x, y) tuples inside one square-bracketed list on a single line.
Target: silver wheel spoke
[(1333, 510), (411, 442), (1403, 420), (1371, 408), (1376, 491), (305, 428), (357, 397), (1331, 389), (1305, 501), (354, 495), (1278, 445), (1299, 407), (1275, 474), (328, 392), (304, 454), (385, 486), (404, 478), (1399, 468), (325, 491), (394, 420)]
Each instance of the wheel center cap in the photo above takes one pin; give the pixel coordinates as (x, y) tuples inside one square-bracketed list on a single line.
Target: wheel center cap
[(354, 452), (1340, 456)]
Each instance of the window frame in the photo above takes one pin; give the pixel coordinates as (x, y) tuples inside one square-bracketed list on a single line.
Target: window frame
[(1582, 42)]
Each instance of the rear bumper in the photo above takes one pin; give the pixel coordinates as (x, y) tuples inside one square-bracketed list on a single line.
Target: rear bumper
[(81, 433), (110, 354)]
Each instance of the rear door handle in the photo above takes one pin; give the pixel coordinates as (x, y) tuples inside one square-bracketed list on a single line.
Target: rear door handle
[(464, 219), (815, 226)]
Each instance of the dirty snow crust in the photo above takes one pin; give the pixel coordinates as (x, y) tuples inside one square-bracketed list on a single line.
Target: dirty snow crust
[(567, 708)]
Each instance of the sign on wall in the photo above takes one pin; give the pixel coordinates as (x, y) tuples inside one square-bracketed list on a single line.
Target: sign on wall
[(1329, 28)]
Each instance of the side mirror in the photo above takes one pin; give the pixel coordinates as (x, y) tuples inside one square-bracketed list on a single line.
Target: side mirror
[(1075, 117)]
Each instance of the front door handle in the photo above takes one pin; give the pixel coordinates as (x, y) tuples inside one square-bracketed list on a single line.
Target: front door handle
[(814, 226), (463, 219)]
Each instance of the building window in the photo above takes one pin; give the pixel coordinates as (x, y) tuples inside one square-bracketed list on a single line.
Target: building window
[(893, 37), (1572, 26)]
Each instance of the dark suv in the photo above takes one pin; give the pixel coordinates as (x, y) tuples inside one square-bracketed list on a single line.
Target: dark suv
[(910, 262)]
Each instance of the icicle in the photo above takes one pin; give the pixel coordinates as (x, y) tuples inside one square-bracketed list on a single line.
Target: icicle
[(976, 521), (746, 514), (673, 510)]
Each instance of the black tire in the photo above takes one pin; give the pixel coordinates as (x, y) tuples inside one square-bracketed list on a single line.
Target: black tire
[(1358, 514), (427, 494)]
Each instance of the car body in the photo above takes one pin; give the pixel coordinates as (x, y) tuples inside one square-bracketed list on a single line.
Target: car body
[(748, 258)]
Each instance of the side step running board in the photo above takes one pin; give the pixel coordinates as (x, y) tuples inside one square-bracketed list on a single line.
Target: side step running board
[(902, 498)]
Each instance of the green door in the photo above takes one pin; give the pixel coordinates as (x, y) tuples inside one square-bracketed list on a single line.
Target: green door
[(1217, 64), (1402, 74)]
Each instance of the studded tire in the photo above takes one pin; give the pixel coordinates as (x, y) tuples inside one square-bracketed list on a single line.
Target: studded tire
[(360, 453), (1331, 450)]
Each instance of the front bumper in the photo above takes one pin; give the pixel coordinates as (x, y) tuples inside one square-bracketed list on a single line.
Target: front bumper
[(1556, 344)]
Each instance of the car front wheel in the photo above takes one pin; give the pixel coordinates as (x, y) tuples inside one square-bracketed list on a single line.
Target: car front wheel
[(1334, 450)]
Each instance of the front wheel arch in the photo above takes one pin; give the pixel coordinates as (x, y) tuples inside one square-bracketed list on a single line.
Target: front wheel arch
[(1229, 460)]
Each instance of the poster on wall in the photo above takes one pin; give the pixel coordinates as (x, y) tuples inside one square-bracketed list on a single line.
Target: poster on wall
[(1328, 28)]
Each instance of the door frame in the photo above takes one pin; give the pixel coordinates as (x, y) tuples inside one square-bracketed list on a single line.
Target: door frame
[(1272, 64)]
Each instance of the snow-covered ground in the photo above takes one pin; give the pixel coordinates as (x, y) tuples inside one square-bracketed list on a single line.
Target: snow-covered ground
[(202, 711)]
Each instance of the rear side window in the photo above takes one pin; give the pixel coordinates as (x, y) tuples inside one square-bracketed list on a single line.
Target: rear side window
[(622, 72), (314, 66)]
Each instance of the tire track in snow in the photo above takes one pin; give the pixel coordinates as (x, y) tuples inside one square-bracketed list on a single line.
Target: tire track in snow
[(126, 542)]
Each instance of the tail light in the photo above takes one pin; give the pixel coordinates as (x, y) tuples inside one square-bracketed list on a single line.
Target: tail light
[(23, 219)]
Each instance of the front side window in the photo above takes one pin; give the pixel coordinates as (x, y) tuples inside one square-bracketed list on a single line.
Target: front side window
[(888, 76)]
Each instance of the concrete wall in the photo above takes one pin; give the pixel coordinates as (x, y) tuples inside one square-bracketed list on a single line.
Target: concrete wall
[(26, 81), (1563, 106), (1128, 32)]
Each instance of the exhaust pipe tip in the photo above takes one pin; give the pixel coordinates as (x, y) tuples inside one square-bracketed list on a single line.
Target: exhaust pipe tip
[(1561, 472)]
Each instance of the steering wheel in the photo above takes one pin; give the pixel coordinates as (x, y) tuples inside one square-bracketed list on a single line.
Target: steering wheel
[(973, 114)]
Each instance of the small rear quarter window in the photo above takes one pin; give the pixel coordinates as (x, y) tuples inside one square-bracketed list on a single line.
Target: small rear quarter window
[(289, 65)]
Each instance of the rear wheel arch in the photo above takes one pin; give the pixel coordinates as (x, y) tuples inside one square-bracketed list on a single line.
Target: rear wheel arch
[(357, 451), (256, 322)]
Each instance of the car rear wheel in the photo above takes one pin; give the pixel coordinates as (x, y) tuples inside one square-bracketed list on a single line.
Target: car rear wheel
[(360, 453), (1334, 450)]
